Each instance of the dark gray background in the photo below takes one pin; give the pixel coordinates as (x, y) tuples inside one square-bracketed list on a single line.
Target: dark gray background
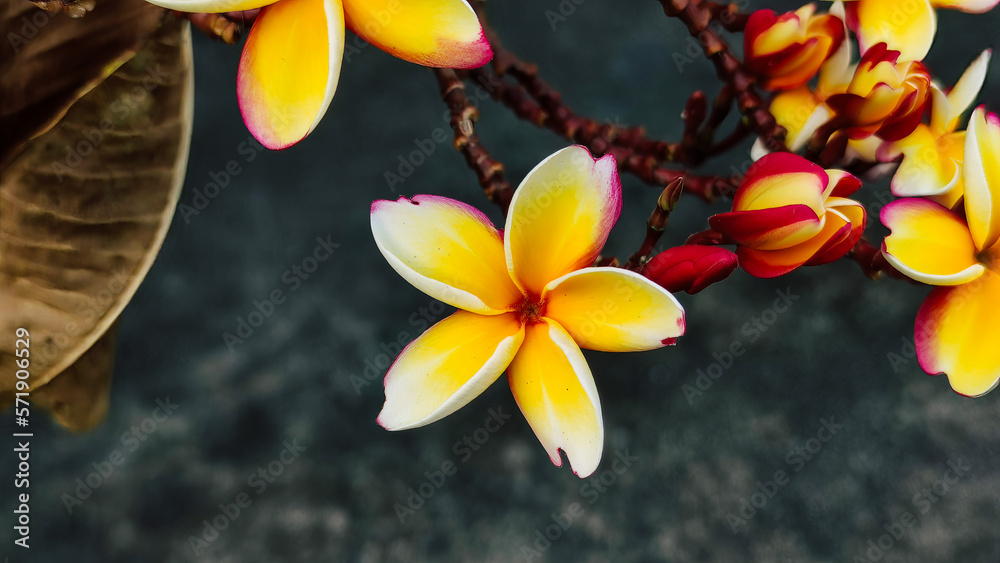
[(828, 357)]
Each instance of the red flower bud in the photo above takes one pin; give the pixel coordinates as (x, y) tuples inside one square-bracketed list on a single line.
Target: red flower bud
[(786, 51), (789, 212), (690, 268)]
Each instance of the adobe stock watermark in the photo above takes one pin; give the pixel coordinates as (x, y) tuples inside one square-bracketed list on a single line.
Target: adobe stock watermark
[(596, 485), (436, 479), (131, 440), (29, 29), (380, 19), (407, 163), (292, 278), (796, 459), (425, 147), (219, 180), (121, 108), (49, 349), (563, 11), (752, 330), (375, 366), (929, 330), (257, 481), (694, 49), (897, 529)]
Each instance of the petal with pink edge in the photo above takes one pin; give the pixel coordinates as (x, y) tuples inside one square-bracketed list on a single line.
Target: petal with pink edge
[(560, 217), (614, 310), (447, 249), (956, 333), (434, 33), (289, 69), (773, 263), (448, 366), (780, 179), (836, 247), (555, 390), (968, 6), (981, 173), (905, 27), (929, 243), (841, 184), (769, 229), (211, 6)]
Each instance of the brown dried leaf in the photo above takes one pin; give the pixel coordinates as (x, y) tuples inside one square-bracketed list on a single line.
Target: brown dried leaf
[(48, 61), (78, 397), (84, 210)]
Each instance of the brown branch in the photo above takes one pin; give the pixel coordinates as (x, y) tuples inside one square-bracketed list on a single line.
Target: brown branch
[(635, 153), (739, 133), (656, 223), (227, 27), (720, 111), (728, 15), (707, 188), (463, 115), (697, 16), (534, 100), (695, 112)]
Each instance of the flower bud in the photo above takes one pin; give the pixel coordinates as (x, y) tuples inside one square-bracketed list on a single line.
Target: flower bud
[(671, 194), (885, 97), (786, 51), (789, 212), (690, 268)]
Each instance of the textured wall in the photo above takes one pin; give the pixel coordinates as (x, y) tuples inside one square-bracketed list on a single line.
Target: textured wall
[(827, 358)]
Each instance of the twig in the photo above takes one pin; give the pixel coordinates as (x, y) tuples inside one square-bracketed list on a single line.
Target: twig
[(697, 16), (463, 114), (227, 27), (657, 223)]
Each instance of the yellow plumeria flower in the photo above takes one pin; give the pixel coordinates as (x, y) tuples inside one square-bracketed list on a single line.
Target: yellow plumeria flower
[(292, 58), (932, 154), (801, 111), (529, 300), (957, 326), (906, 26)]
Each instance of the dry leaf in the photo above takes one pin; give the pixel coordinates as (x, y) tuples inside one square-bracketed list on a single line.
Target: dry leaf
[(78, 397), (84, 210), (48, 61)]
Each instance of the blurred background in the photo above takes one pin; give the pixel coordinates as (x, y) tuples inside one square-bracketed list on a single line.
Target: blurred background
[(267, 449)]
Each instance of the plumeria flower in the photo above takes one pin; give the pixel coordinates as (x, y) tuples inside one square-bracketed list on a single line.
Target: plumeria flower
[(802, 110), (292, 58), (932, 154), (528, 300), (957, 326), (787, 50), (789, 212), (906, 26), (886, 96)]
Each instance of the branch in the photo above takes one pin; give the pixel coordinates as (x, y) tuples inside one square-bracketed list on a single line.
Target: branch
[(728, 15), (697, 15), (463, 114), (656, 223), (227, 27)]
